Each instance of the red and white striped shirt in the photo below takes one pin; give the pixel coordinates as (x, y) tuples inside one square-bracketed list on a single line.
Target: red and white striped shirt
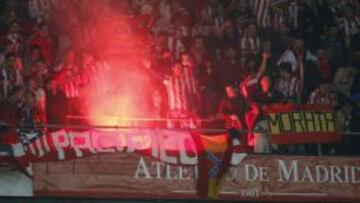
[(190, 80), (262, 12), (250, 44), (316, 97), (176, 46), (177, 95), (11, 78), (71, 88), (290, 88), (351, 26), (277, 20), (68, 83)]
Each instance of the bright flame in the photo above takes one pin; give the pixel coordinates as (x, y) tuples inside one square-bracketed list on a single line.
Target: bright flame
[(111, 112), (119, 96), (123, 85)]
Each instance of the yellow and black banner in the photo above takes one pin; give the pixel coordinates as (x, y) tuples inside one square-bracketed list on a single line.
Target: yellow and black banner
[(300, 124)]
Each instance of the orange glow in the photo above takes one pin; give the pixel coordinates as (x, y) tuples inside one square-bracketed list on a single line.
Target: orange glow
[(111, 112), (119, 89), (119, 95)]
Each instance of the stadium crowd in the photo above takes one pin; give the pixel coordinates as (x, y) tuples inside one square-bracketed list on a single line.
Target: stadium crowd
[(211, 59)]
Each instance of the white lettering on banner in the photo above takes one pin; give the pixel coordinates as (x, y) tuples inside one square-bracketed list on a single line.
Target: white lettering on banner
[(250, 193), (335, 174), (103, 144), (284, 172), (160, 170), (354, 174), (346, 168), (317, 173), (168, 173), (183, 174), (184, 158), (307, 175), (80, 140), (322, 174), (167, 141), (60, 140), (263, 173), (155, 145), (142, 170), (169, 146), (137, 140), (158, 166), (254, 173), (251, 176)]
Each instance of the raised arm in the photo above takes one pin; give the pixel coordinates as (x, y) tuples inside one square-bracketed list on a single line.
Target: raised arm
[(265, 57)]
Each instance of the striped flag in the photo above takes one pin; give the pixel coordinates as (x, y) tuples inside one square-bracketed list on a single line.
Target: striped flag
[(261, 11)]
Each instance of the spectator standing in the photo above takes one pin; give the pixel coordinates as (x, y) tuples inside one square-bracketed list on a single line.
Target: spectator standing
[(42, 39), (298, 57), (324, 95), (232, 109), (178, 97), (288, 85), (344, 79), (209, 89), (250, 42), (11, 74)]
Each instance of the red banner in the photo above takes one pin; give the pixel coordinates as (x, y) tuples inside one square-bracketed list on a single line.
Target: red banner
[(139, 163), (275, 178), (212, 154), (300, 124), (169, 146)]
